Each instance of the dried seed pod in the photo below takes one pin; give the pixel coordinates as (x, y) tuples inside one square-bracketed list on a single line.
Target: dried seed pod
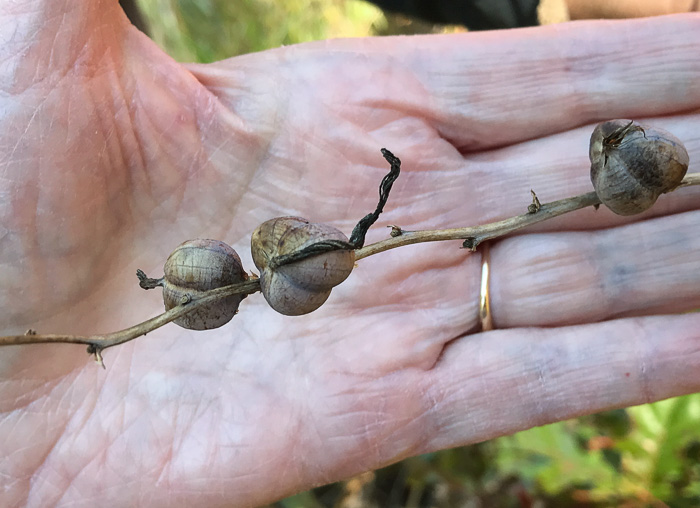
[(633, 164), (197, 266), (302, 286)]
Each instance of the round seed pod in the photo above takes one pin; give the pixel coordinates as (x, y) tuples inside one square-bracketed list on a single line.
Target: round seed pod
[(197, 266), (302, 286), (633, 164)]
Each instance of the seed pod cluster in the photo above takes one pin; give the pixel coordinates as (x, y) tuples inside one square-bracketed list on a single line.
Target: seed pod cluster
[(302, 286), (293, 289), (197, 266), (633, 164)]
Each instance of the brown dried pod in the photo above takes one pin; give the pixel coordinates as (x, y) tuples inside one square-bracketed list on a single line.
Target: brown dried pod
[(302, 286), (633, 164), (197, 266)]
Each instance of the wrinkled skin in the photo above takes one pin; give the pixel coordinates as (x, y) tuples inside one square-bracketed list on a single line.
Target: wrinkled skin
[(112, 154)]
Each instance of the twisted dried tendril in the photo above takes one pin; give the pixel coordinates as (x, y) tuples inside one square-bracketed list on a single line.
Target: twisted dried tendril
[(357, 238)]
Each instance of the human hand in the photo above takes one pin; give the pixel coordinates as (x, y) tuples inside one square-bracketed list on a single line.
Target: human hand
[(588, 9), (114, 154)]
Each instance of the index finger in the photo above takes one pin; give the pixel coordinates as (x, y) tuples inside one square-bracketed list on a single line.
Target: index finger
[(497, 88), (486, 89)]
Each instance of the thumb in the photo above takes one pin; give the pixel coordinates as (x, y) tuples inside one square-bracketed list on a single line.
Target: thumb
[(85, 101)]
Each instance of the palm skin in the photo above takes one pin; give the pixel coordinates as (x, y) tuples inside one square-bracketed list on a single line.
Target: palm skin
[(113, 154)]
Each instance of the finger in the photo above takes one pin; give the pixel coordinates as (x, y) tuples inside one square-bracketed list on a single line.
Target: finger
[(547, 279), (566, 278), (506, 87), (494, 185), (480, 90), (558, 167), (580, 9), (499, 382)]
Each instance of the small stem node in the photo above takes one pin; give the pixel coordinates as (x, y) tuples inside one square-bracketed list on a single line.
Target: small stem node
[(470, 243), (535, 206), (97, 353), (395, 231), (147, 283)]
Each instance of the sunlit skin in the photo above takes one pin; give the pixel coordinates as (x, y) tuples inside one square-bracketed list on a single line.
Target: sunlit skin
[(112, 154), (591, 9)]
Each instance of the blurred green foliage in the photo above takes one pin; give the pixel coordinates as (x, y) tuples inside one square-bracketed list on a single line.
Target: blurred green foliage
[(209, 30), (645, 456)]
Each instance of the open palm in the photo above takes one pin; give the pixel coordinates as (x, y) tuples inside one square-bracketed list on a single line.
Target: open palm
[(113, 154)]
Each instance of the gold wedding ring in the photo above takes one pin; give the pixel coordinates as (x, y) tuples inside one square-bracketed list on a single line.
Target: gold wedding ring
[(484, 296)]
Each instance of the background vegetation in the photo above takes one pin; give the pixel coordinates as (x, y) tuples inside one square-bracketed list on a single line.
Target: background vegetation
[(646, 456)]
